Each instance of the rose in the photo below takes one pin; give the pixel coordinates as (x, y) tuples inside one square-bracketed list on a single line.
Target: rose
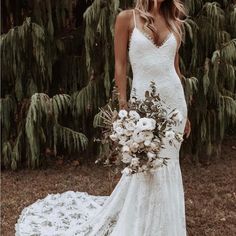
[(138, 137), (130, 125), (119, 130), (146, 124), (117, 123), (133, 114), (122, 114), (123, 139)]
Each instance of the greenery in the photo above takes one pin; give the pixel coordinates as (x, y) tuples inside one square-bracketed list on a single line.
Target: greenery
[(58, 69)]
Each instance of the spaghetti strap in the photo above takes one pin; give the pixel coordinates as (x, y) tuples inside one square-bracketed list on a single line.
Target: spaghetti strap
[(134, 18)]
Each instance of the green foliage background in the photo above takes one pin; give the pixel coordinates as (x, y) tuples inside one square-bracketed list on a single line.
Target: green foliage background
[(58, 69)]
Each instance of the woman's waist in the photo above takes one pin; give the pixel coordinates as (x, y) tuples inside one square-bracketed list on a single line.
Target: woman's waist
[(163, 84), (163, 78)]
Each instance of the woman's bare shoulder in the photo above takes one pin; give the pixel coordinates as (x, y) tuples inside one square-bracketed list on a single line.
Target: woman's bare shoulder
[(123, 19), (124, 16)]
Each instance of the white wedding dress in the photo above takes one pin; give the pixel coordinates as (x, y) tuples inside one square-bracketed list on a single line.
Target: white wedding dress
[(141, 204)]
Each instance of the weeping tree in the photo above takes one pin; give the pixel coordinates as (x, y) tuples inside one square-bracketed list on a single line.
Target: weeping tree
[(58, 69), (209, 55), (42, 69)]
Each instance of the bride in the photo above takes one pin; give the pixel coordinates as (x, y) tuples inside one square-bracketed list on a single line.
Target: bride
[(141, 204)]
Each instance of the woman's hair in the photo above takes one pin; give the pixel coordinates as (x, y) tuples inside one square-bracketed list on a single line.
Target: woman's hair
[(173, 11)]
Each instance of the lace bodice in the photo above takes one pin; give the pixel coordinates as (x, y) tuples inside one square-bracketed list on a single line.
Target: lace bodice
[(152, 62)]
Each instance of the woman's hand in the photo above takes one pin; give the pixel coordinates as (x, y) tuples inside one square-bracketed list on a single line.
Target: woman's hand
[(187, 129)]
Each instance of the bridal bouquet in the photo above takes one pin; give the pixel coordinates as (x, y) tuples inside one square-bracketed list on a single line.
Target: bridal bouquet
[(138, 133)]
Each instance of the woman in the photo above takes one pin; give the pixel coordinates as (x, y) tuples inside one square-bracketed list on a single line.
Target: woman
[(153, 33), (141, 204)]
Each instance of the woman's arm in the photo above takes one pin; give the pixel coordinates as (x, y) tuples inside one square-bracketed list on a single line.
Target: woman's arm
[(121, 38)]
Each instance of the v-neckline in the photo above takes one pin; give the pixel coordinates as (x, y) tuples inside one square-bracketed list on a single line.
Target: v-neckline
[(149, 38)]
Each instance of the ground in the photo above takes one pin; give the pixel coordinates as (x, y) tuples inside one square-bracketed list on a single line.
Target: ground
[(210, 194)]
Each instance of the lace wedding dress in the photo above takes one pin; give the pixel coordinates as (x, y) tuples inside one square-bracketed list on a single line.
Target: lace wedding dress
[(141, 204)]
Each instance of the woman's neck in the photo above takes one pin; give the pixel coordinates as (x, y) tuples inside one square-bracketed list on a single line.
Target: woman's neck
[(155, 8)]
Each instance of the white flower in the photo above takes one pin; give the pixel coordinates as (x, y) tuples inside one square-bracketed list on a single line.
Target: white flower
[(177, 116), (133, 114), (113, 137), (130, 125), (146, 124), (151, 155), (122, 142), (154, 146), (123, 139), (156, 140), (170, 135), (117, 123), (147, 142), (119, 130), (123, 113), (143, 168), (129, 142), (134, 161), (128, 132), (134, 147), (138, 137), (141, 145), (148, 135), (125, 148), (126, 157), (126, 171)]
